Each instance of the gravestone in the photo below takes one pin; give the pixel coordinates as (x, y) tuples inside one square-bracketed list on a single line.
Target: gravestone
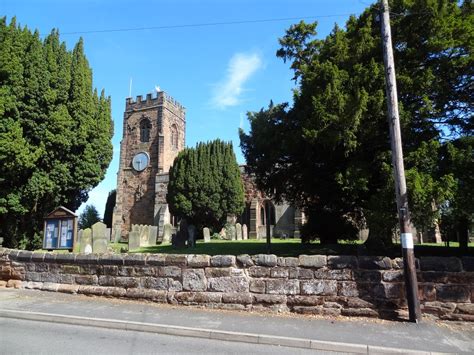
[(223, 233), (238, 231), (180, 238), (100, 241), (153, 235), (77, 243), (133, 240), (86, 241), (207, 235), (191, 236), (167, 233), (117, 235), (108, 234), (245, 235), (144, 235), (231, 232)]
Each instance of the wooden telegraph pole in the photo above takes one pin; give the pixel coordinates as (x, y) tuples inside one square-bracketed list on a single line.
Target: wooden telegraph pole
[(411, 284)]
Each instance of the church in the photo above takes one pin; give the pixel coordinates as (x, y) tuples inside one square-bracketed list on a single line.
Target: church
[(154, 131)]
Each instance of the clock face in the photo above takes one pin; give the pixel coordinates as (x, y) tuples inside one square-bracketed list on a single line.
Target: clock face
[(140, 161)]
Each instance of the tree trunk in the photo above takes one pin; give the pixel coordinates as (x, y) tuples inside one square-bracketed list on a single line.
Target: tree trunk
[(463, 230)]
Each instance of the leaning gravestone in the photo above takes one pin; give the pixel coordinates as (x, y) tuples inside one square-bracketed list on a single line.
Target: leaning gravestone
[(191, 236), (86, 240), (100, 241), (245, 235), (133, 240), (117, 235), (238, 231), (167, 232), (207, 235)]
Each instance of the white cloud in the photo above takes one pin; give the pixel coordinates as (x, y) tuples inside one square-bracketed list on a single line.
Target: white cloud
[(241, 67)]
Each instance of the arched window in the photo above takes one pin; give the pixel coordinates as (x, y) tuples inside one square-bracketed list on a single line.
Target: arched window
[(145, 128), (174, 136)]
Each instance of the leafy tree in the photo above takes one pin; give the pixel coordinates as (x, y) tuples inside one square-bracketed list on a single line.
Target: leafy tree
[(55, 130), (88, 217), (109, 208), (330, 154), (205, 184)]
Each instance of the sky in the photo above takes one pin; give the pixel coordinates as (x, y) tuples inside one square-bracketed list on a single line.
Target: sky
[(207, 54)]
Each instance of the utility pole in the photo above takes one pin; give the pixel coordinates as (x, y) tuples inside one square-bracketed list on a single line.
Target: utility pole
[(411, 284)]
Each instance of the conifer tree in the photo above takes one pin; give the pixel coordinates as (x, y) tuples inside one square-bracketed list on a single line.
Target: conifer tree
[(205, 185)]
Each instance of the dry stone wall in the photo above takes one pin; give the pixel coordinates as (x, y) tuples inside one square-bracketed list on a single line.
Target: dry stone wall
[(316, 284)]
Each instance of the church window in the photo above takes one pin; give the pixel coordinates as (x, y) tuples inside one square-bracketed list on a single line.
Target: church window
[(145, 128), (174, 136)]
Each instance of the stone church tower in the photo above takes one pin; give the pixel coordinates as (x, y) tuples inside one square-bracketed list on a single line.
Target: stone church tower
[(153, 134)]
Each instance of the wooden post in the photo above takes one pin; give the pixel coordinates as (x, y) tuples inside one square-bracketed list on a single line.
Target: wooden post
[(411, 284)]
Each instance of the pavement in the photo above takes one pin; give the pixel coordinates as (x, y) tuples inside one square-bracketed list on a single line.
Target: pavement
[(343, 335)]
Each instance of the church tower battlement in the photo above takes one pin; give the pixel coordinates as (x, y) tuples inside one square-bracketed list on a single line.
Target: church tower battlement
[(154, 130)]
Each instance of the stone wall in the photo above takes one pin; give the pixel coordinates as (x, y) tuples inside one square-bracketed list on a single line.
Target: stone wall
[(318, 284)]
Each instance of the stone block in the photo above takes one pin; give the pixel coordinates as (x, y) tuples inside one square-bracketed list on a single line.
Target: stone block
[(126, 282), (115, 292), (14, 283), (223, 260), (391, 276), (218, 271), (330, 274), (359, 312), (367, 276), (194, 280), (388, 290), (438, 308), (86, 279), (298, 300), (257, 286), (319, 287), (269, 299), (468, 263), (72, 289), (375, 262), (175, 285), (434, 276), (143, 293), (342, 262), (228, 284), (313, 261), (279, 272), (49, 277), (237, 298), (134, 259), (198, 260), (453, 293), (426, 292), (245, 260), (355, 302), (66, 279), (37, 257), (348, 289), (110, 270), (68, 258), (198, 297), (111, 259), (282, 287), (126, 271), (329, 312), (432, 263), (289, 262), (265, 260), (106, 280), (157, 283), (145, 270), (156, 259), (175, 260), (259, 271), (169, 271), (24, 256), (50, 286), (466, 308), (85, 259)]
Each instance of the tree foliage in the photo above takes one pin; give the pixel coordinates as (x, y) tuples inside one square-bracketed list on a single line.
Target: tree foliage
[(205, 184), (55, 129), (89, 217), (329, 153), (109, 208)]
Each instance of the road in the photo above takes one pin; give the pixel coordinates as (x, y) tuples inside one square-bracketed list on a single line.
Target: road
[(31, 337)]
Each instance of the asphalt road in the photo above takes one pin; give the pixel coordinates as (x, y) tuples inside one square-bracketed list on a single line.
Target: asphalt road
[(31, 337)]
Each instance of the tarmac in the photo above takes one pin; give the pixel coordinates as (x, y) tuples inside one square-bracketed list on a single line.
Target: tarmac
[(341, 334)]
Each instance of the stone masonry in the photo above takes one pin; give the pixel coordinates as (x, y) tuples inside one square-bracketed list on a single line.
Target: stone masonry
[(316, 284)]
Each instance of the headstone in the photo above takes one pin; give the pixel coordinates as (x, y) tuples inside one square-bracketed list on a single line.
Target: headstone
[(144, 235), (100, 242), (133, 240), (167, 232), (108, 233), (181, 236), (86, 240), (238, 231), (207, 235), (117, 235), (191, 236), (245, 235), (231, 232), (153, 235)]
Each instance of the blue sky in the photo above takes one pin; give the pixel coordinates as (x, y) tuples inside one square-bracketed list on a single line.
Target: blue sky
[(218, 72)]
